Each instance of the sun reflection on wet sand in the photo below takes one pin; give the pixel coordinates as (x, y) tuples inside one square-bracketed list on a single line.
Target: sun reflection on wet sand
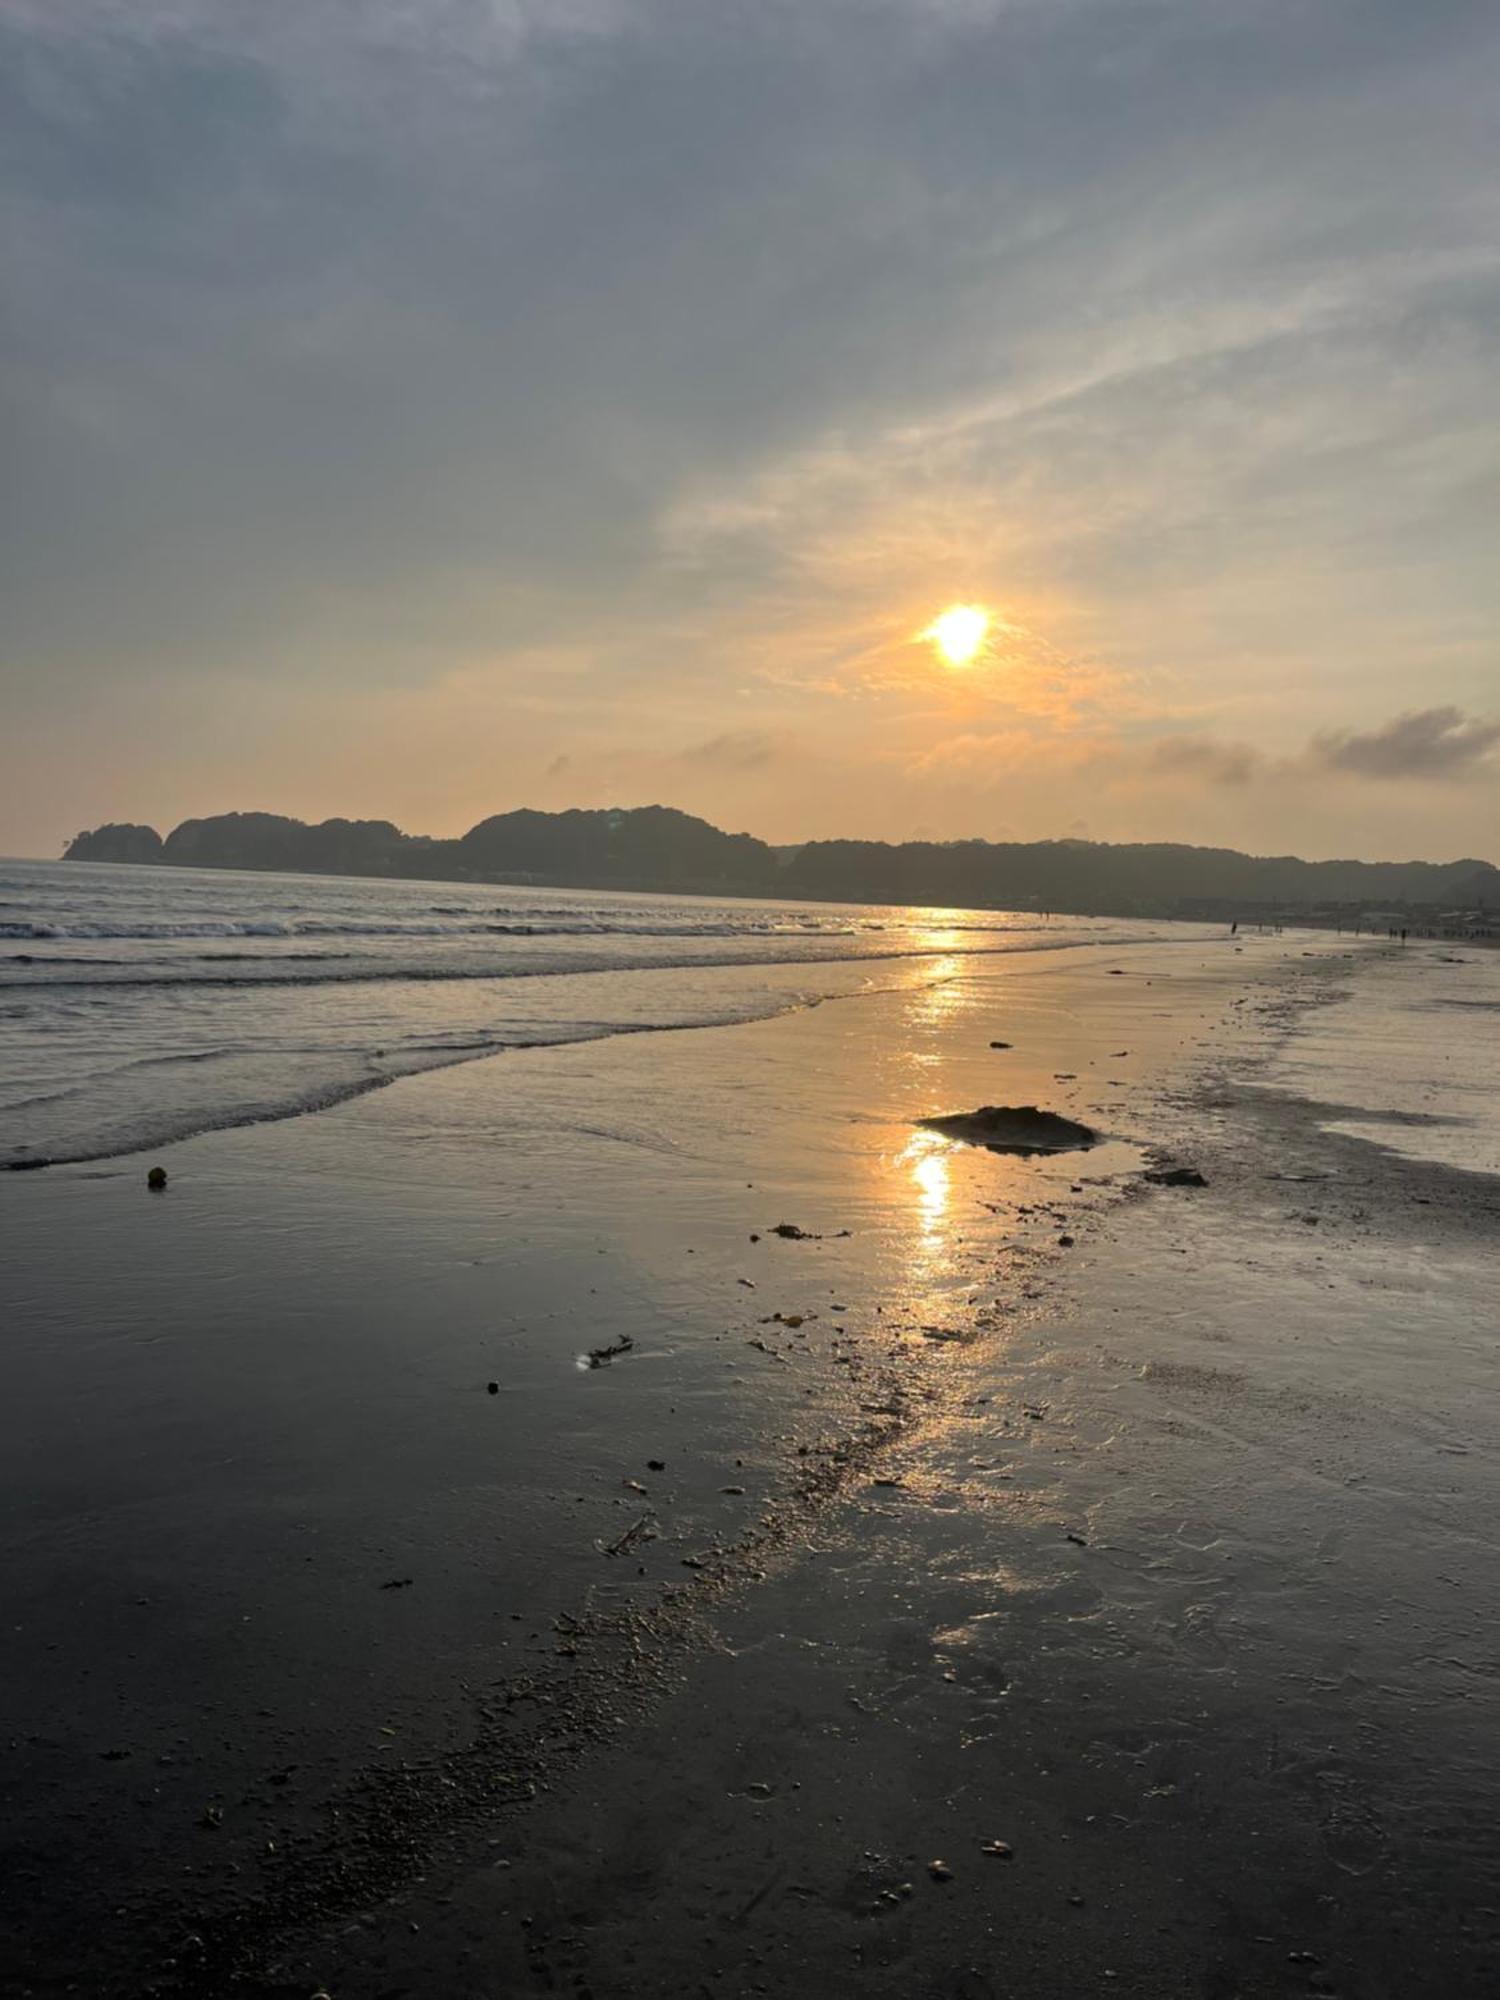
[(926, 1158)]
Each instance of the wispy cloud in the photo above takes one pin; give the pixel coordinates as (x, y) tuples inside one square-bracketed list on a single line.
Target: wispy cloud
[(1440, 743), (736, 750)]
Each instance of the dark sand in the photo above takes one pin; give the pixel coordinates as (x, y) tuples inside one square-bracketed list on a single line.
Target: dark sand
[(1165, 1558)]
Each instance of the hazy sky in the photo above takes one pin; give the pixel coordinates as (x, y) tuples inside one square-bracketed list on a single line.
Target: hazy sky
[(416, 408)]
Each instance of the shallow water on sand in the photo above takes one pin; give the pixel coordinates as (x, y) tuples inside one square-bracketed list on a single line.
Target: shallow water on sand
[(1409, 1058)]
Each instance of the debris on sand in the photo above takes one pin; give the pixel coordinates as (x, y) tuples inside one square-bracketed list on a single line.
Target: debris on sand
[(1176, 1177), (1000, 1045), (940, 1871), (600, 1357), (1000, 1849), (398, 1583), (1014, 1128), (790, 1233), (156, 1179), (643, 1530)]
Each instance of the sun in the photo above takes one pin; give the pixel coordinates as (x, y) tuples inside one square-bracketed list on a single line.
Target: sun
[(959, 633)]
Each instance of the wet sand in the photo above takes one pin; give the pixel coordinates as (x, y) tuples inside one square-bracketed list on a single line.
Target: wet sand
[(1161, 1555)]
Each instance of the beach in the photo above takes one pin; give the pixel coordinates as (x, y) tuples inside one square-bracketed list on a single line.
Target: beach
[(629, 1508)]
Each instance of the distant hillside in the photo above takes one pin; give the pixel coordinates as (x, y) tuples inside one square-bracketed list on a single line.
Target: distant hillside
[(657, 847)]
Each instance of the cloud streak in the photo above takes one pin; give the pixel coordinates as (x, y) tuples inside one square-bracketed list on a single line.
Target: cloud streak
[(1425, 743)]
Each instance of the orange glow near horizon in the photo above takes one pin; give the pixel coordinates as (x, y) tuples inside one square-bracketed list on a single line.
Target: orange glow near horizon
[(959, 633)]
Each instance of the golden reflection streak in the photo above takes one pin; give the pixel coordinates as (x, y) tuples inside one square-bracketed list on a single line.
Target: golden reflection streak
[(925, 1158)]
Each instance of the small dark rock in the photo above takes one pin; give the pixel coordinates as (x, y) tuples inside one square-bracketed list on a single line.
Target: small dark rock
[(492, 1388), (1176, 1177), (156, 1179), (1023, 1129)]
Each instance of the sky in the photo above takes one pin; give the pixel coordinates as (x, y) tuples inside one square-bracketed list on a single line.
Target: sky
[(419, 408)]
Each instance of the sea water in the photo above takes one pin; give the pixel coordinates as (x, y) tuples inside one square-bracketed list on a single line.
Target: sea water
[(139, 1005)]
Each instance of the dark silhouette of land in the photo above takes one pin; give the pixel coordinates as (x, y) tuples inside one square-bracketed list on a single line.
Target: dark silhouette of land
[(658, 848)]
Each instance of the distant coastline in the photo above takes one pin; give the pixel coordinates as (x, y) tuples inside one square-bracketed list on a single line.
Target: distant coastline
[(657, 849)]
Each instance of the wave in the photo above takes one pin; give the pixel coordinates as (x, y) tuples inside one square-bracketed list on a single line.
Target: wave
[(541, 923), (348, 969), (139, 930), (363, 1071)]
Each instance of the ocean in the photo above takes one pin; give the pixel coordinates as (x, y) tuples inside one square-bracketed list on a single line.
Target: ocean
[(141, 1005)]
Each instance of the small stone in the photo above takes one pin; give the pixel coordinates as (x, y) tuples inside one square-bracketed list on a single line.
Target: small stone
[(656, 1465), (156, 1178), (1001, 1849), (492, 1388), (940, 1871), (1065, 1242)]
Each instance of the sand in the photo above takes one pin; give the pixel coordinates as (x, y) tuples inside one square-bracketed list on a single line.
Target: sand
[(1146, 1531)]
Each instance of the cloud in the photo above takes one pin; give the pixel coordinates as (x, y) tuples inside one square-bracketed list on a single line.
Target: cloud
[(737, 750), (483, 376), (1205, 758), (1423, 743)]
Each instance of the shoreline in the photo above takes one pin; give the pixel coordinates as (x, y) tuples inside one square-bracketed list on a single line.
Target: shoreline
[(821, 1790), (384, 1834)]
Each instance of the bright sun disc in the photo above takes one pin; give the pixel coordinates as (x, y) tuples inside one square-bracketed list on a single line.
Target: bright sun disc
[(959, 633)]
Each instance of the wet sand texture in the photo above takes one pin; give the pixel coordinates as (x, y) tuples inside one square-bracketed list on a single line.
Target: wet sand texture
[(365, 1639)]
